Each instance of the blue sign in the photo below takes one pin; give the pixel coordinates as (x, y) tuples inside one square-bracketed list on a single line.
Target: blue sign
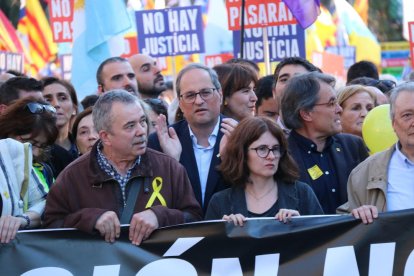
[(284, 41), (170, 32), (347, 52)]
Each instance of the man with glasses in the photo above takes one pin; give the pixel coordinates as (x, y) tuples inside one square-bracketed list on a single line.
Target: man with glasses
[(325, 157), (195, 141)]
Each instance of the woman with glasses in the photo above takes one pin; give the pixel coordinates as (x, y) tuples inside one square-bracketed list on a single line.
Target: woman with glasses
[(62, 96), (356, 101), (33, 121), (238, 84), (263, 177), (23, 190)]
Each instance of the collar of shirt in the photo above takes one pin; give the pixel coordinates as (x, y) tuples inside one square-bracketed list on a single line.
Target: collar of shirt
[(401, 157), (307, 144), (106, 166), (211, 139)]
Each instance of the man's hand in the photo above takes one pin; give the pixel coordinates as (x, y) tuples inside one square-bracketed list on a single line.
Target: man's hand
[(9, 226), (108, 225), (227, 126), (142, 225), (169, 142), (367, 213)]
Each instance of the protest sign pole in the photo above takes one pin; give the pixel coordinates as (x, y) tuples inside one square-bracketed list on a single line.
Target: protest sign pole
[(243, 4), (266, 51)]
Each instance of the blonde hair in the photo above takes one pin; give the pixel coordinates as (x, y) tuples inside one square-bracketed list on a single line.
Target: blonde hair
[(347, 92)]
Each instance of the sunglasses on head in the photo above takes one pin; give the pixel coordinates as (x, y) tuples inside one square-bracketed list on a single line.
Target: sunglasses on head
[(37, 108)]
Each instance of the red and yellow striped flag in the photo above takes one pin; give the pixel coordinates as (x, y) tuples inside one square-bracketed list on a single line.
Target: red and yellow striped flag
[(34, 25), (362, 7)]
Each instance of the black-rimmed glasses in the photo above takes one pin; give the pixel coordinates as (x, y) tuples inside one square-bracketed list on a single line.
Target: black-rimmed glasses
[(205, 93), (37, 108), (263, 151)]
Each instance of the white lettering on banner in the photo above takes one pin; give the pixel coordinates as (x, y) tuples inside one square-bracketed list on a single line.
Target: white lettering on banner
[(283, 30), (153, 23), (61, 8), (263, 14), (166, 45), (338, 261), (11, 61), (64, 27), (182, 20), (283, 48), (253, 50)]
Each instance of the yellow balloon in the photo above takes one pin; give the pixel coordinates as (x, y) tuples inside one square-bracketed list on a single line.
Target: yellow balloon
[(377, 129)]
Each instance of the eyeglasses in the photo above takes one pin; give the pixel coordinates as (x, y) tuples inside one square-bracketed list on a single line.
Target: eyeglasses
[(37, 108), (205, 93), (263, 151), (331, 104)]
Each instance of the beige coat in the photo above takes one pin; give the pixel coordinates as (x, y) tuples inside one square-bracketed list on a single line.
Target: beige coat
[(367, 183)]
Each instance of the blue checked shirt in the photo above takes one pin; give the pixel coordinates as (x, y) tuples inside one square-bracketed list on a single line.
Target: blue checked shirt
[(112, 172)]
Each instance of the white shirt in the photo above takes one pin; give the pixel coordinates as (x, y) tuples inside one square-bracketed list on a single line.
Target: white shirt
[(400, 188), (203, 156)]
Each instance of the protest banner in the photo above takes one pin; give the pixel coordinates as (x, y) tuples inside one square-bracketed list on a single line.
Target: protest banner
[(321, 245), (170, 32), (258, 14), (61, 17), (347, 52), (11, 61), (411, 34), (213, 60), (284, 41)]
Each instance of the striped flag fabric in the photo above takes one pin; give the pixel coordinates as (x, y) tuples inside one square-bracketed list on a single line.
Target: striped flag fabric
[(305, 11), (97, 35), (34, 25)]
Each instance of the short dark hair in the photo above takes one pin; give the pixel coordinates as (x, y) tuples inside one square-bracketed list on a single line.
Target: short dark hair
[(9, 90), (264, 89), (89, 100), (245, 62), (157, 105), (302, 93), (99, 79), (234, 160), (295, 61), (19, 120), (72, 92), (362, 68), (385, 86)]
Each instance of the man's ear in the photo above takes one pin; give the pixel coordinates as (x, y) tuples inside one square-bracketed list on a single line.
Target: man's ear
[(100, 88), (104, 137), (306, 115)]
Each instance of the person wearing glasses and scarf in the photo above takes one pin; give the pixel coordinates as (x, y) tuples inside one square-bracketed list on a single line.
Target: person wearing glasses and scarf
[(24, 186), (33, 121), (263, 177)]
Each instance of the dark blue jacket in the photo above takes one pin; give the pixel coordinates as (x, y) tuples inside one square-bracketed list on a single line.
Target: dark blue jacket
[(215, 182)]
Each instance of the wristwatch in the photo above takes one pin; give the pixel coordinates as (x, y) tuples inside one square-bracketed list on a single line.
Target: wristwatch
[(27, 219)]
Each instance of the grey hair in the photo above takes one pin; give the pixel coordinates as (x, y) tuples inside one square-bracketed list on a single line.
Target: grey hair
[(302, 93), (210, 71), (102, 110), (404, 87)]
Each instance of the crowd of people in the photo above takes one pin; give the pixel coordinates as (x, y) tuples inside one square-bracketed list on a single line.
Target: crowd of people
[(221, 143)]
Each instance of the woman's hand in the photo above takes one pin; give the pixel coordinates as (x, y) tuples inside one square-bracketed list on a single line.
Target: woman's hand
[(237, 219), (284, 215)]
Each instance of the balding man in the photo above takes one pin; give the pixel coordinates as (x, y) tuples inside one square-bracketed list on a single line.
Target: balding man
[(148, 75)]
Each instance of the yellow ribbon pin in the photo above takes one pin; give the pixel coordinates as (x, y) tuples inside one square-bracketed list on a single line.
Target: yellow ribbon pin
[(315, 172), (156, 187)]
